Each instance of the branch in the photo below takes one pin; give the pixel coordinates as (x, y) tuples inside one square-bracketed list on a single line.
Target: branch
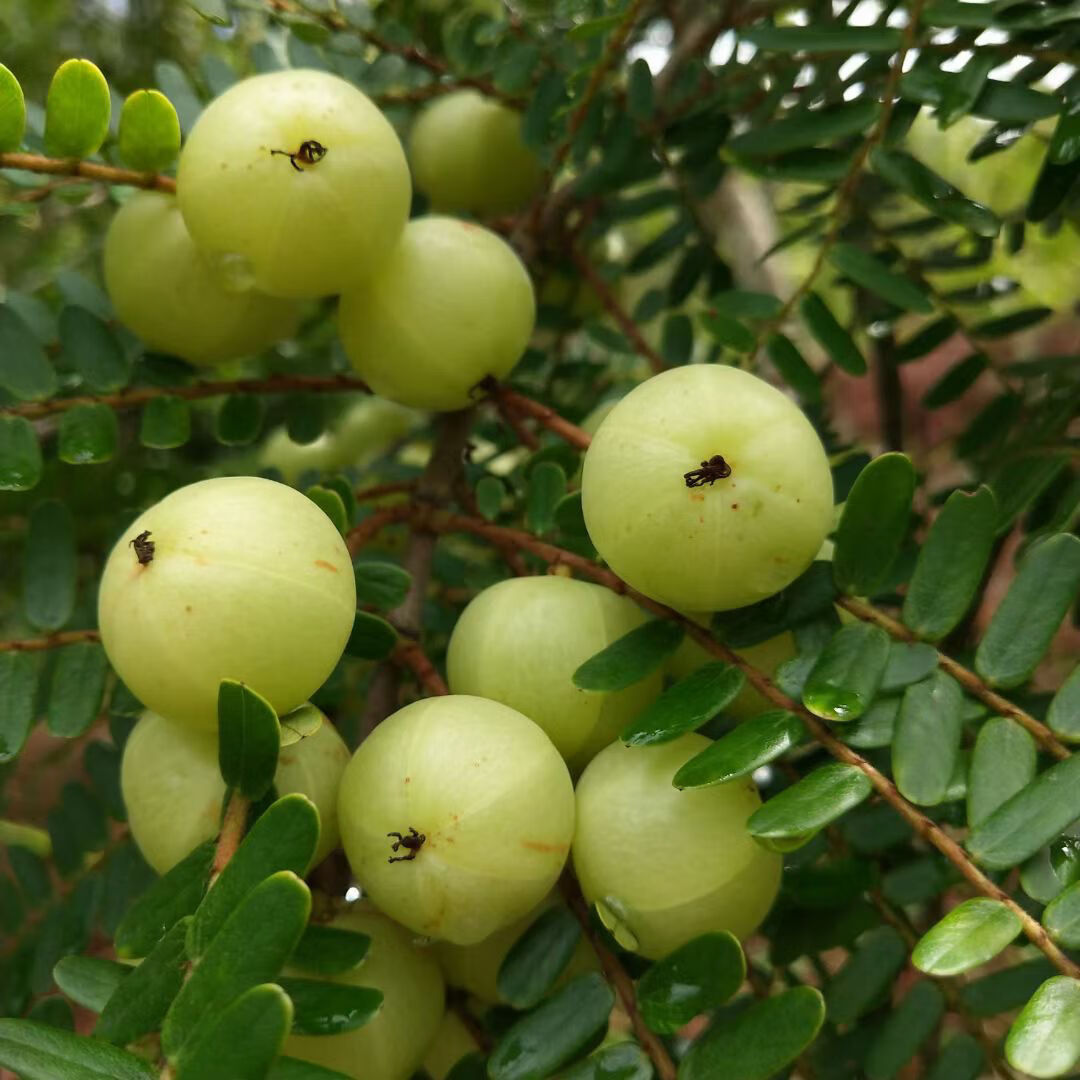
[(409, 654), (233, 827), (88, 170), (64, 637), (519, 403)]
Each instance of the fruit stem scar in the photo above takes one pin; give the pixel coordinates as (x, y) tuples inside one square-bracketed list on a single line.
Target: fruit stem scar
[(144, 547), (716, 468), (310, 153), (412, 842)]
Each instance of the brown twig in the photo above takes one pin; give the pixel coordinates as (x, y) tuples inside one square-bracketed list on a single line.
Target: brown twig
[(378, 491), (88, 170), (512, 418), (53, 641), (571, 433), (409, 654), (233, 827)]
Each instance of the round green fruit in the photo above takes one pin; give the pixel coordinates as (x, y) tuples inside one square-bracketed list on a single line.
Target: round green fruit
[(173, 789), (237, 578), (715, 537), (520, 642), (666, 865), (488, 794), (468, 156), (174, 298), (451, 305), (393, 1044), (296, 181)]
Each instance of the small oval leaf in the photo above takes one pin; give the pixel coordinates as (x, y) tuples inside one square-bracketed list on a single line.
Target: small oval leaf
[(149, 134), (77, 110)]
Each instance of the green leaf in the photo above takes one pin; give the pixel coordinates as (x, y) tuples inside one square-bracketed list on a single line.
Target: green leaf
[(372, 638), (694, 979), (244, 1041), (25, 370), (305, 418), (910, 176), (873, 275), (866, 977), (329, 950), (951, 564), (1027, 618), (89, 980), (77, 110), (283, 838), (755, 742), (76, 689), (554, 1033), (1017, 484), (631, 658), (831, 336), (806, 807), (217, 12), (830, 38), (287, 1068), (569, 518), (176, 86), (18, 692), (239, 420), (166, 423), (728, 331), (1012, 323), (40, 1052), (1063, 715), (538, 958), (20, 454), (1005, 990), (971, 934), (684, 707), (961, 1058), (616, 1061), (796, 372), (908, 663), (873, 524), (926, 340), (1062, 917), (141, 1001), (381, 584), (165, 903), (93, 350), (1034, 816), (955, 381), (1002, 764), (12, 112), (1044, 1039), (745, 304), (639, 91), (926, 742), (547, 485), (88, 435), (49, 567), (807, 129), (846, 676), (756, 1044), (1065, 142), (907, 1027), (329, 1008), (251, 948), (964, 89), (249, 739), (490, 492), (149, 134), (331, 504)]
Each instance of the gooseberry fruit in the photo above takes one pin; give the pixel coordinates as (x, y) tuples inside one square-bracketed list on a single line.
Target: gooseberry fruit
[(173, 790), (393, 1043), (296, 180), (468, 155), (174, 298), (243, 579), (452, 304), (485, 811), (705, 488), (666, 865), (520, 642)]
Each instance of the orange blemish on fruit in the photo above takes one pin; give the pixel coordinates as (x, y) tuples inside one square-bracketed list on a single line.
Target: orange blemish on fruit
[(539, 845), (322, 564)]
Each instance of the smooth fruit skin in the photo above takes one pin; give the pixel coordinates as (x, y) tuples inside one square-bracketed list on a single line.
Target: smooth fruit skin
[(298, 232), (452, 1042), (392, 1045), (173, 790), (249, 581), (490, 793), (719, 546), (468, 156), (670, 864), (174, 298), (451, 305), (520, 642)]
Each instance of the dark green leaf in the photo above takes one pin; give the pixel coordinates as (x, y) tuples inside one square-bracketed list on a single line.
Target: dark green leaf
[(807, 129), (25, 371), (639, 91), (964, 89), (88, 435), (538, 958), (77, 110), (616, 1061), (831, 336), (20, 454), (149, 133), (908, 663), (166, 423), (807, 597), (971, 934), (908, 1026), (873, 275), (728, 331), (329, 1008), (1005, 990), (1063, 716), (286, 1068), (927, 739), (554, 1033), (846, 676), (39, 1052), (490, 492), (687, 705), (753, 743), (89, 980), (1044, 1039), (76, 688), (867, 975), (744, 304), (1062, 917), (1065, 142), (955, 381), (331, 504), (1007, 325), (1002, 764), (824, 38), (239, 420), (381, 584), (93, 350), (1027, 618), (961, 1058), (677, 340), (329, 950), (18, 690), (695, 979), (49, 567), (926, 340), (569, 518), (372, 638), (1017, 484), (810, 804), (249, 739), (631, 658), (796, 372), (547, 485), (1053, 186)]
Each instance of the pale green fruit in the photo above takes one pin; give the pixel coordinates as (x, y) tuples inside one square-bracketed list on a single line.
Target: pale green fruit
[(490, 793), (393, 1044), (475, 968), (669, 865), (451, 305), (452, 1042), (173, 789), (249, 580), (719, 546), (297, 232), (468, 155), (520, 642), (173, 296)]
